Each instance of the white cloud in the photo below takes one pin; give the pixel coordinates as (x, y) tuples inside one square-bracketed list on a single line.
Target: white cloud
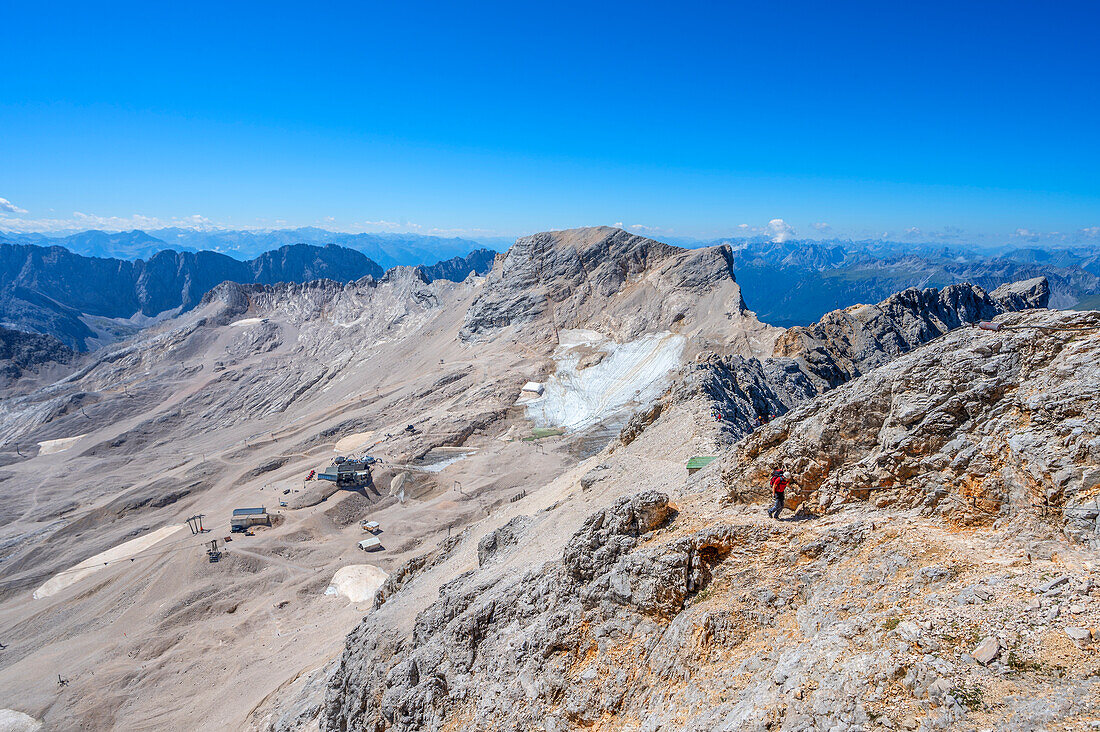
[(1091, 232), (618, 224), (7, 207), (643, 229), (81, 221), (460, 232), (822, 227), (780, 230), (380, 226)]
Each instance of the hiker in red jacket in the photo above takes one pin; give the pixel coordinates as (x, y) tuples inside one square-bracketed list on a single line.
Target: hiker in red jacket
[(779, 489)]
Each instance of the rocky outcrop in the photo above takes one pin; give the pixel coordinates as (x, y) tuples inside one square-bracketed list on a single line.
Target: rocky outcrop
[(462, 661), (1023, 295), (27, 352), (737, 625), (977, 425), (499, 542)]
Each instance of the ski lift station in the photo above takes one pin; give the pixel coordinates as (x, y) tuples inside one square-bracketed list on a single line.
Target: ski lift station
[(245, 518), (348, 472)]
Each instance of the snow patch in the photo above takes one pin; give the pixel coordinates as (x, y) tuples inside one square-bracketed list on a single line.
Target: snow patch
[(13, 721), (63, 579), (357, 582), (246, 321), (49, 447), (355, 441), (625, 377)]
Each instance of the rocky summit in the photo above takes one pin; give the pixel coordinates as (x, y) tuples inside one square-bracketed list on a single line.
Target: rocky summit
[(556, 519)]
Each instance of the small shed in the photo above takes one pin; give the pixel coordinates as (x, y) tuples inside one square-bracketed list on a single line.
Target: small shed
[(245, 518), (370, 544), (533, 387), (698, 462), (371, 526)]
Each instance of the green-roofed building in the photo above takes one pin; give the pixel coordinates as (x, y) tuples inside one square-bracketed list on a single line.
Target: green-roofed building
[(700, 461)]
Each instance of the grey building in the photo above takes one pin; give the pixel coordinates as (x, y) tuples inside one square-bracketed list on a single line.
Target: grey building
[(245, 518)]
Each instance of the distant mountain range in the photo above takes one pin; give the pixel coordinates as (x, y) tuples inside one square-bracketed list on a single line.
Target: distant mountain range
[(387, 250), (86, 302), (51, 286), (794, 283)]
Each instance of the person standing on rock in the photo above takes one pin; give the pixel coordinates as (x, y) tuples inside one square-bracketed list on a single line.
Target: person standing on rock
[(779, 490)]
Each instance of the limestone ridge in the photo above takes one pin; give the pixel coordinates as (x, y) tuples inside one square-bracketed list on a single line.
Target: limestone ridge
[(847, 343), (617, 283), (977, 425), (841, 346), (461, 649), (304, 337)]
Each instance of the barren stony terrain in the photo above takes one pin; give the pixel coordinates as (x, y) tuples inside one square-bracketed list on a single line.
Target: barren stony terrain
[(937, 573)]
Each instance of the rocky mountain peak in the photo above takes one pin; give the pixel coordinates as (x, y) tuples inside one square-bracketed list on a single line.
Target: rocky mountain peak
[(617, 283)]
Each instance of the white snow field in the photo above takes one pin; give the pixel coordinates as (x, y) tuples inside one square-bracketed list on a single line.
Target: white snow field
[(51, 447), (627, 376), (357, 582), (63, 579), (246, 322), (13, 721)]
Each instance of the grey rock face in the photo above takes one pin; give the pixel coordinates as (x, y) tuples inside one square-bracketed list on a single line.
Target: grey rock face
[(843, 345), (498, 542), (22, 352), (616, 630), (516, 635), (612, 281), (457, 269), (407, 571), (743, 389), (610, 533), (847, 343), (497, 653), (1023, 295)]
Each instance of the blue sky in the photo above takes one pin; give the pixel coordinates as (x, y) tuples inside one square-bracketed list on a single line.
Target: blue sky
[(963, 121)]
